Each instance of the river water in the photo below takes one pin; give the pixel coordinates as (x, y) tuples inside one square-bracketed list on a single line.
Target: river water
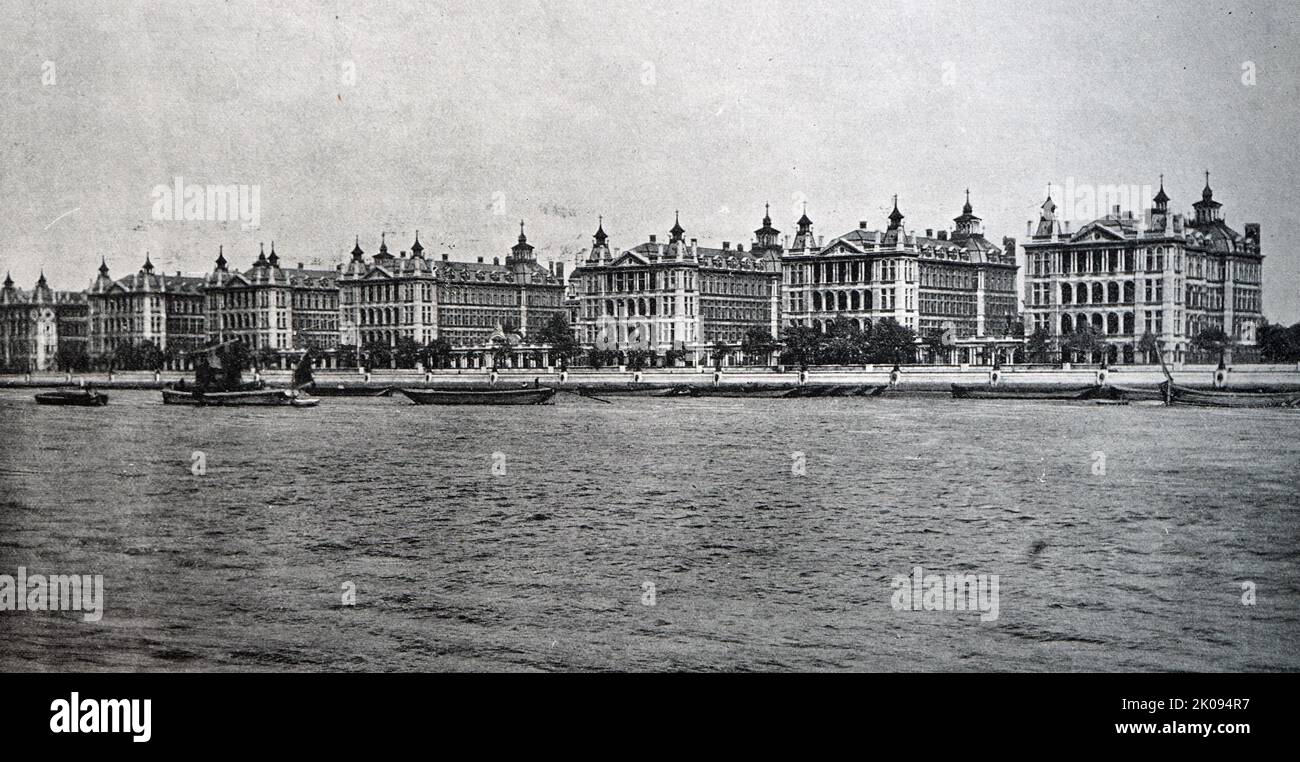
[(681, 534)]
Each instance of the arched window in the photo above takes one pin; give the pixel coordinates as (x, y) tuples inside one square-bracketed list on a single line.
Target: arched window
[(843, 301), (1098, 295), (1112, 292), (1081, 294), (1112, 323), (1067, 293), (816, 300), (855, 300)]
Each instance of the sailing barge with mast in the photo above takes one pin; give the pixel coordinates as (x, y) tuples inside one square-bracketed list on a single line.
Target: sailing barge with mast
[(218, 382)]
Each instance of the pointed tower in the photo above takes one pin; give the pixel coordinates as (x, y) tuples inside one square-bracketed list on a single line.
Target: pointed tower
[(896, 217), (767, 239), (599, 243), (8, 295), (1160, 209), (1047, 223), (102, 281), (357, 252), (417, 250), (804, 237), (522, 252), (1207, 209), (967, 225), (677, 231), (274, 259), (383, 248), (42, 294), (221, 259), (147, 267)]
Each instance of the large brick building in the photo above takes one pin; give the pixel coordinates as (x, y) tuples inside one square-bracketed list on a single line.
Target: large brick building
[(269, 307), (677, 295), (166, 311), (466, 304), (1126, 276), (958, 283), (41, 329)]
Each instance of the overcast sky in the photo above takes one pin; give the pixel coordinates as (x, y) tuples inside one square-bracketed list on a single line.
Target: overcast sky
[(460, 118)]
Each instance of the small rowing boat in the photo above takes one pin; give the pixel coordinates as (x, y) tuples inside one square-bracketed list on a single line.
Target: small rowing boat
[(536, 395), (1182, 395), (76, 398)]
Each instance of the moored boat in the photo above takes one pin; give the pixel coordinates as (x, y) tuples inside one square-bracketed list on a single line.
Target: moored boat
[(218, 383), (1124, 393), (76, 398), (743, 390), (1026, 392), (255, 398), (633, 390), (535, 395), (1182, 395)]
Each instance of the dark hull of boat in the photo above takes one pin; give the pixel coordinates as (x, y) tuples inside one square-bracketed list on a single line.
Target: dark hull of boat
[(634, 391), (260, 398), (1026, 392), (74, 399), (339, 390), (744, 390), (1181, 395), (531, 396), (1137, 393), (839, 390)]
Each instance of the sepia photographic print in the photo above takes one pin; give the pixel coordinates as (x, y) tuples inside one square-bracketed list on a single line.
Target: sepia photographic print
[(612, 336)]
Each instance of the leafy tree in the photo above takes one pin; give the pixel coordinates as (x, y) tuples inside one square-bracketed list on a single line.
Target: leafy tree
[(802, 345), (124, 356), (1212, 341), (436, 353), (378, 355), (1278, 343), (148, 356), (236, 357), (1083, 341), (757, 344), (718, 352), (891, 342), (72, 357), (637, 359), (932, 340), (671, 356), (346, 356), (1149, 346), (1038, 347), (406, 353), (559, 335), (599, 358)]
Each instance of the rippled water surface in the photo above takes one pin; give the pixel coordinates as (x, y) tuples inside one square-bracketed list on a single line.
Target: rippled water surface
[(754, 568)]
